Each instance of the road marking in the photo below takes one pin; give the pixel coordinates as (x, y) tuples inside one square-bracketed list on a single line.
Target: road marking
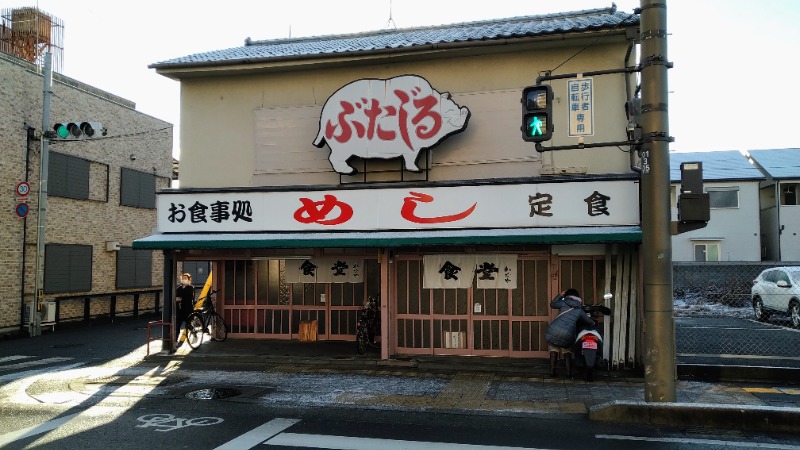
[(37, 362), (258, 435), (34, 430), (358, 443), (683, 440), (772, 390), (30, 373), (14, 358), (168, 422)]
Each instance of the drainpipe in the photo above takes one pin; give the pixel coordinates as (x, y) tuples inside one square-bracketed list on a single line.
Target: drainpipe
[(778, 217), (28, 139)]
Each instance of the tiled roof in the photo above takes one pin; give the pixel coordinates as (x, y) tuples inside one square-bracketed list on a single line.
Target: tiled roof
[(717, 166), (780, 164), (388, 40)]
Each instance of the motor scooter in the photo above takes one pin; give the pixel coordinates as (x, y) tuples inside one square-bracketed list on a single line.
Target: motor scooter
[(588, 347)]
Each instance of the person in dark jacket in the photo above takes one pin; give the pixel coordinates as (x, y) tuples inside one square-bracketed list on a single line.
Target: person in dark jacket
[(184, 302), (561, 333)]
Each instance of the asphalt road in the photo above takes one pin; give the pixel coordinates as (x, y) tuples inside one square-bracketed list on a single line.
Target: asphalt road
[(734, 341), (89, 389), (150, 422)]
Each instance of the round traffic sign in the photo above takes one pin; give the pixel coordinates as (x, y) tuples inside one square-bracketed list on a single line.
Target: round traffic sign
[(22, 209), (23, 189)]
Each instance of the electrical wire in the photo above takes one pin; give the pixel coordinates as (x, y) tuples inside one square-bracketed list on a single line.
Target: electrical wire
[(603, 35), (103, 138)]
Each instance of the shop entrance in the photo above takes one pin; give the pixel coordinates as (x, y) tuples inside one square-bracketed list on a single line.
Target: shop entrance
[(491, 322), (257, 302)]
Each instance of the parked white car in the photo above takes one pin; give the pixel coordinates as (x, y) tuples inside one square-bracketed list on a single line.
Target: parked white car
[(777, 290)]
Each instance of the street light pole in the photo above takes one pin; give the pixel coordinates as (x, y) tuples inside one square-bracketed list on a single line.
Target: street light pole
[(41, 210), (659, 326)]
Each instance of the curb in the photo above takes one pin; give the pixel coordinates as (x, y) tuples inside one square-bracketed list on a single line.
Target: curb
[(738, 417)]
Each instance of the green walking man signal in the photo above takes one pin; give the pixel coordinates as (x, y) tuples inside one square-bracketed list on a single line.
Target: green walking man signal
[(537, 113)]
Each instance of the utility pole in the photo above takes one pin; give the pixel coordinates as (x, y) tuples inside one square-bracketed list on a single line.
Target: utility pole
[(659, 326), (41, 210)]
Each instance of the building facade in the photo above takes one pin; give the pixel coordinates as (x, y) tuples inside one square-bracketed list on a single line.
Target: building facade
[(391, 163), (101, 197), (780, 204), (733, 233)]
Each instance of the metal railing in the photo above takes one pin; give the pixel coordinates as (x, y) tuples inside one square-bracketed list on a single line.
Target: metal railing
[(111, 297)]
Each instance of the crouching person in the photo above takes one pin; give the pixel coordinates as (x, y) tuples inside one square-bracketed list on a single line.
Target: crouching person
[(560, 335)]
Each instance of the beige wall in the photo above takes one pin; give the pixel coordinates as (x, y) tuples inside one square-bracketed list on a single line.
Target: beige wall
[(236, 128), (70, 221)]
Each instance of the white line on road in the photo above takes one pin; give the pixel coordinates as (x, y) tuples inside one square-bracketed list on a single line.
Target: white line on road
[(34, 430), (14, 358), (30, 373), (357, 443), (38, 362), (699, 442), (258, 435)]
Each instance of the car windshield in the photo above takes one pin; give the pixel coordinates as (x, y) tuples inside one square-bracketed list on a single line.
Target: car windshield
[(795, 276)]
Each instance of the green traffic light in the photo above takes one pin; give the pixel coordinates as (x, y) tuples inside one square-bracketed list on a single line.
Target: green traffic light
[(62, 131), (536, 126)]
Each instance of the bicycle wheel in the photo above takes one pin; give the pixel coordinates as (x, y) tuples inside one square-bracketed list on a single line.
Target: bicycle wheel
[(217, 328), (361, 342), (194, 330)]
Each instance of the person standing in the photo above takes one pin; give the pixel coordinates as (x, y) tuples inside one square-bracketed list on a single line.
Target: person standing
[(184, 302), (561, 332)]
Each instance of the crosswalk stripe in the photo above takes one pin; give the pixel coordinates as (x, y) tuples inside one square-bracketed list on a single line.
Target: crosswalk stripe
[(360, 443), (14, 358), (38, 362), (30, 373), (34, 430), (258, 435)]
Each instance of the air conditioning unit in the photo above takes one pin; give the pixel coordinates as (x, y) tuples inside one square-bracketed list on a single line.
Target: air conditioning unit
[(48, 312)]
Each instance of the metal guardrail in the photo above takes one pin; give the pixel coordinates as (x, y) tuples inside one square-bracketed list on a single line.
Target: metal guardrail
[(112, 302)]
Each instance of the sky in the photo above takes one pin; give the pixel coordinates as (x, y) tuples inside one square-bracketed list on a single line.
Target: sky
[(730, 88)]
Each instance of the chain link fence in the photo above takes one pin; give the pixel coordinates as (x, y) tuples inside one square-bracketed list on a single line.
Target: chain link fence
[(715, 320)]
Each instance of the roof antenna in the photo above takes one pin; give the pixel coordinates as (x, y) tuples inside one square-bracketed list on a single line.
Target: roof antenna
[(391, 23)]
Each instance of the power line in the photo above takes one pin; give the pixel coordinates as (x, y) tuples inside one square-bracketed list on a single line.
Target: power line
[(120, 136), (603, 35)]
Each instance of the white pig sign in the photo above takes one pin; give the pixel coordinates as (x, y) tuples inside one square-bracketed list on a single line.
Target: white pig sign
[(387, 118)]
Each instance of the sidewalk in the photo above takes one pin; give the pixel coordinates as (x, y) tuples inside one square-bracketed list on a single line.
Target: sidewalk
[(506, 385)]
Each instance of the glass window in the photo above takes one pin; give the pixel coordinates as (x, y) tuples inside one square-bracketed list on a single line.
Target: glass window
[(134, 268), (68, 176), (723, 197), (137, 189), (789, 193), (67, 268), (706, 252)]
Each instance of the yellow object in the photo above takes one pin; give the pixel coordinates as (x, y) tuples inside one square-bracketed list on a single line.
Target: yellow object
[(308, 331), (204, 293)]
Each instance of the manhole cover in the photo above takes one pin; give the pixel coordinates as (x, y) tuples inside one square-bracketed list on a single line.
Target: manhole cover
[(213, 394)]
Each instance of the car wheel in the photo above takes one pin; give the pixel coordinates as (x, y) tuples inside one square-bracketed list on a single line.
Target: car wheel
[(794, 313), (758, 309)]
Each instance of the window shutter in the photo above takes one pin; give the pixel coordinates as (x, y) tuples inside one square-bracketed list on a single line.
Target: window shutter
[(77, 178), (147, 190), (57, 175)]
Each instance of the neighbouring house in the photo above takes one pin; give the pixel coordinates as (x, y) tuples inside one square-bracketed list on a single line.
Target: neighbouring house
[(733, 232), (100, 193), (780, 202)]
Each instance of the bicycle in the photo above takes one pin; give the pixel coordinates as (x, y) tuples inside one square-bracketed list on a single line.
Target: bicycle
[(368, 325), (205, 319)]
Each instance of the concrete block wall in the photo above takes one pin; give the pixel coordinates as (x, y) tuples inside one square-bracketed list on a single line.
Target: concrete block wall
[(92, 222)]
